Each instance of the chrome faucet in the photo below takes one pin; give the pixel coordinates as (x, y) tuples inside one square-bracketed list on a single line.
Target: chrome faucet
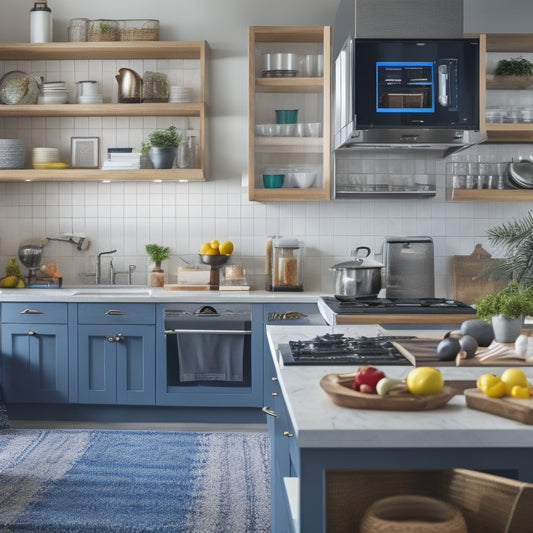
[(99, 265), (113, 273)]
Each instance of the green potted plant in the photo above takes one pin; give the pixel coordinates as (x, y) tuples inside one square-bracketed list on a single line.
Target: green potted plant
[(506, 309), (512, 73), (157, 255), (162, 147)]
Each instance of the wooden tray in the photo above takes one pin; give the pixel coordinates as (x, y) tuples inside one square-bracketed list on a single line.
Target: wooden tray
[(423, 352), (177, 287), (517, 409), (338, 387)]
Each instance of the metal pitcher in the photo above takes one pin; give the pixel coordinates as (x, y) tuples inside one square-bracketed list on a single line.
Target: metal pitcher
[(129, 86)]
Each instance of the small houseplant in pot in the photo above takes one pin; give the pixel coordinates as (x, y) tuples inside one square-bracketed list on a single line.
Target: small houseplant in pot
[(514, 73), (506, 309), (157, 255), (163, 147)]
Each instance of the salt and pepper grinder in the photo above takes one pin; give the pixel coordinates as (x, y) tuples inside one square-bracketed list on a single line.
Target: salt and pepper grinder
[(40, 23)]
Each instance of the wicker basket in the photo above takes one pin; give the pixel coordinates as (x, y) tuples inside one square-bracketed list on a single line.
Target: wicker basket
[(139, 30), (103, 30), (488, 503)]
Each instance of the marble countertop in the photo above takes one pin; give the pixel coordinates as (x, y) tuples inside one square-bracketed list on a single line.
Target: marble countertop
[(319, 423), (137, 293)]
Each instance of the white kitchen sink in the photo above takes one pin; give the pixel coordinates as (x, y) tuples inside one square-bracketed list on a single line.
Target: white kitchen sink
[(108, 290)]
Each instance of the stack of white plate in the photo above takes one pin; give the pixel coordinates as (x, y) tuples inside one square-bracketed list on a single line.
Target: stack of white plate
[(12, 153), (53, 92), (96, 99), (180, 95), (42, 156)]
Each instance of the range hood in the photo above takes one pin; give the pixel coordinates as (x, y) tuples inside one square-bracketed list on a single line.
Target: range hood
[(375, 45)]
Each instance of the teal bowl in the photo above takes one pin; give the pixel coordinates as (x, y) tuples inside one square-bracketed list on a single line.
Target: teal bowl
[(286, 116), (273, 181)]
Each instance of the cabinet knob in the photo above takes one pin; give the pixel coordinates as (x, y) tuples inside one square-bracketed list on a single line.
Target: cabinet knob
[(119, 337), (287, 434), (274, 378), (31, 333), (110, 338), (274, 394)]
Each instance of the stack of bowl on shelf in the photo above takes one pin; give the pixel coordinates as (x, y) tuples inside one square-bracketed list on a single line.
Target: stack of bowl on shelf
[(43, 157), (12, 153), (89, 92), (53, 92), (180, 95)]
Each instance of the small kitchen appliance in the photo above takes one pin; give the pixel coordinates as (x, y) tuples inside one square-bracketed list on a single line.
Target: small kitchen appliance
[(130, 86), (30, 256), (284, 264), (409, 267)]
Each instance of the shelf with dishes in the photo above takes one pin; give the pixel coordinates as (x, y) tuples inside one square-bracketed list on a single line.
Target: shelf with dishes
[(505, 123), (289, 109), (43, 54), (493, 195)]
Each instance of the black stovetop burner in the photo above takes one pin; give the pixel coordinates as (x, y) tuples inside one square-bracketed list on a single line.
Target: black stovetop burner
[(336, 349), (397, 305)]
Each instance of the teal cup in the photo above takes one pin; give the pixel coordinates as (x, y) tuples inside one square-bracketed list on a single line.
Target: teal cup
[(286, 116), (273, 181)]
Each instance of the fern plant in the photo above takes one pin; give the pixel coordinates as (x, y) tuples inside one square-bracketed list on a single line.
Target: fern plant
[(515, 239), (157, 253)]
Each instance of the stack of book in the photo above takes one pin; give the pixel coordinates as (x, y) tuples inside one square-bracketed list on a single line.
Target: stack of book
[(122, 161)]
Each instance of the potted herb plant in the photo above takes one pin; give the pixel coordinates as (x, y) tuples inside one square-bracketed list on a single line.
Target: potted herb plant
[(512, 73), (506, 309), (163, 147), (157, 255)]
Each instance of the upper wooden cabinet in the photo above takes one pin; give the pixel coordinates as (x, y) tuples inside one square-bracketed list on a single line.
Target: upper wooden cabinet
[(126, 50), (502, 46), (283, 75)]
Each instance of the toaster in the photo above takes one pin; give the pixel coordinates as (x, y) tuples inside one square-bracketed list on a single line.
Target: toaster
[(409, 270)]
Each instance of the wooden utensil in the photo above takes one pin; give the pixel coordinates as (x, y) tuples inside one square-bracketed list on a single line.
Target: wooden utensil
[(467, 286)]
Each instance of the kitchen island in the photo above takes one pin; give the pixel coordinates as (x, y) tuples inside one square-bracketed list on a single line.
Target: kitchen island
[(320, 436)]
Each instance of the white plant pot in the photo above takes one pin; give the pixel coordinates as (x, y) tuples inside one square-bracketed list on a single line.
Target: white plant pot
[(507, 329)]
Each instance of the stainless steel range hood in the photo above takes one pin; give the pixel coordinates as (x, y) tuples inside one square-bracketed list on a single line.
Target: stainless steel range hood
[(392, 19)]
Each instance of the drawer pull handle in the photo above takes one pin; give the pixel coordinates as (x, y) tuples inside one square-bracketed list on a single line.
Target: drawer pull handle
[(287, 434), (31, 312), (115, 312), (269, 411)]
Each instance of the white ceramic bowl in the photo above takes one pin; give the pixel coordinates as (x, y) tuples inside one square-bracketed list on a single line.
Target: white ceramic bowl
[(303, 179)]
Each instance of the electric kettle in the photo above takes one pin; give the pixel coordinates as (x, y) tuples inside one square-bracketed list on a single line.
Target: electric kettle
[(129, 86)]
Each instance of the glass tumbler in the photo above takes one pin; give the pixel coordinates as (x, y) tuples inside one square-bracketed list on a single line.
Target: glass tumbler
[(77, 30)]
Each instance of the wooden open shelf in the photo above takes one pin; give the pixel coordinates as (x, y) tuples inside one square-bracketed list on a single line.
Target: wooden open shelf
[(493, 195)]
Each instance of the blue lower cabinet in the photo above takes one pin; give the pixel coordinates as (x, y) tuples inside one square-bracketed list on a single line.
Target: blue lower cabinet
[(116, 365), (35, 362)]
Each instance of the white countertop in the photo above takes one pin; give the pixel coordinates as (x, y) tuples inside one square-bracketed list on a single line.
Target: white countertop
[(319, 423), (125, 293)]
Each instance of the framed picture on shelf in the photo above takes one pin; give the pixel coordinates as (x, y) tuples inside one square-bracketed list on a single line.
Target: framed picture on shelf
[(84, 152)]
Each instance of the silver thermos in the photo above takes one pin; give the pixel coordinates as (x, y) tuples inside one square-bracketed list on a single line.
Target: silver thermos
[(41, 23)]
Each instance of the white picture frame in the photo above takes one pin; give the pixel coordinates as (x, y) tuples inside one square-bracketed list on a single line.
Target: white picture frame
[(84, 152)]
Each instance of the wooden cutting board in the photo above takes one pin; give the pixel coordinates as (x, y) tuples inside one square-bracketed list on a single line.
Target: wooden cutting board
[(467, 287), (513, 408)]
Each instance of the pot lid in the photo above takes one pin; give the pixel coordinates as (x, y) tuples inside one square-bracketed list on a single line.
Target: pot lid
[(360, 261)]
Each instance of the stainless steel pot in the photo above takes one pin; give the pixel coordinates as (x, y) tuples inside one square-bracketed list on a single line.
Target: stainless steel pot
[(359, 278)]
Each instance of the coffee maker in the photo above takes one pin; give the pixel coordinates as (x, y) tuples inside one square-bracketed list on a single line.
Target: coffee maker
[(284, 264)]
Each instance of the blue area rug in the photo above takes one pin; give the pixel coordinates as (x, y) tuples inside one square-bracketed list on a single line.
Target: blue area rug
[(100, 481)]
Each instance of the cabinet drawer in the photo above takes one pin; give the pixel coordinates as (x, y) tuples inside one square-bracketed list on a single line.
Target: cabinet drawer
[(34, 313), (116, 313)]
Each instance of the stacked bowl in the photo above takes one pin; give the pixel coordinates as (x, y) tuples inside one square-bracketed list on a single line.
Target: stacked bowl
[(43, 157), (53, 92), (12, 153), (89, 92), (180, 95)]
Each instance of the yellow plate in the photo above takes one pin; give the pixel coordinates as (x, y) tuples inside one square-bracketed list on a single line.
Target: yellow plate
[(56, 164)]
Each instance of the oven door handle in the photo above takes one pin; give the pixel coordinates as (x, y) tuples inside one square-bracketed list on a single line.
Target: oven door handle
[(212, 331)]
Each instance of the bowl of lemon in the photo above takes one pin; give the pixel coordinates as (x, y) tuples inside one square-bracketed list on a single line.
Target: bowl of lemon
[(214, 253)]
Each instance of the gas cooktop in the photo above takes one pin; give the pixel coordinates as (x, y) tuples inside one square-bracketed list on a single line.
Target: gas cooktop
[(336, 349), (397, 305)]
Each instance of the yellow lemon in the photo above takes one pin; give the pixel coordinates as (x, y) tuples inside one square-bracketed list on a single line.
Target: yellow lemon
[(205, 248), (212, 251), (215, 244), (20, 284), (512, 377), (425, 380), (226, 248), (9, 282)]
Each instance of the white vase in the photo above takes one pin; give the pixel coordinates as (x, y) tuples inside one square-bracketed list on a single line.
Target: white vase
[(507, 329)]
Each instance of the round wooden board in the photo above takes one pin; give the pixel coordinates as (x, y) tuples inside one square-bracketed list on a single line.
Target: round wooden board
[(338, 387)]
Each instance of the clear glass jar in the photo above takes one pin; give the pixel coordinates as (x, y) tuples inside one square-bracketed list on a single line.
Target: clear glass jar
[(103, 30), (77, 30)]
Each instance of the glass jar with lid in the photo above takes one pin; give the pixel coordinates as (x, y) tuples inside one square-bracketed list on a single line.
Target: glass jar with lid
[(103, 30)]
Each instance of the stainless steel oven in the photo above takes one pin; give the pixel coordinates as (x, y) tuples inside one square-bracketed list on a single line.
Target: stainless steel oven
[(208, 346)]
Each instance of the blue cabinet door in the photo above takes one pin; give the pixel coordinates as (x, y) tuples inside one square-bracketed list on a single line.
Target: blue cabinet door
[(35, 363), (116, 365)]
